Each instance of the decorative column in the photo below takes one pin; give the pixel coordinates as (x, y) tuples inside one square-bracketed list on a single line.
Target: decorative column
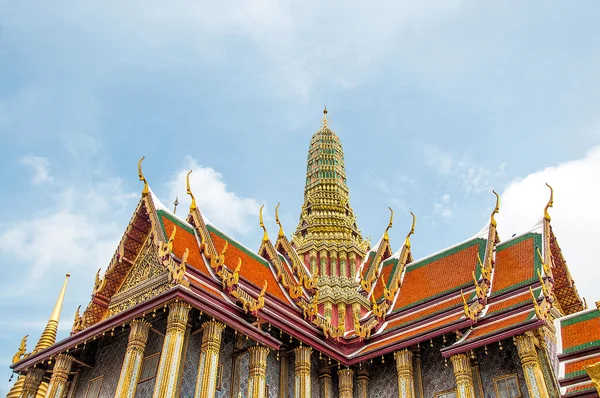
[(32, 382), (302, 362), (404, 368), (531, 366), (206, 383), (417, 374), (352, 261), (343, 256), (323, 262), (283, 374), (325, 379), (312, 256), (132, 364), (60, 375), (342, 316), (257, 375), (328, 310), (346, 383), (334, 270), (462, 373), (362, 383), (167, 375)]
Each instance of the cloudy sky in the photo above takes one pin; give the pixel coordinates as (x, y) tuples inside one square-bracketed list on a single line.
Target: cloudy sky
[(436, 103)]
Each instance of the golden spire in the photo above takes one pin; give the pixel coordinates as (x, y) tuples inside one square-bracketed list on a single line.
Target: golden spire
[(262, 225), (189, 192), (48, 337), (325, 122), (550, 203), (280, 234), (411, 232), (496, 209), (385, 234), (146, 190)]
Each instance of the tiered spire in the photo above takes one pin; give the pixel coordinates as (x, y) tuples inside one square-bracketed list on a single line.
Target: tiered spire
[(48, 337), (327, 220)]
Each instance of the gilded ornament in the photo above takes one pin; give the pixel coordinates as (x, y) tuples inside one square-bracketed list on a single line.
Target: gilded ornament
[(193, 205), (99, 283), (385, 234), (146, 190), (495, 211), (550, 203), (262, 224), (20, 354)]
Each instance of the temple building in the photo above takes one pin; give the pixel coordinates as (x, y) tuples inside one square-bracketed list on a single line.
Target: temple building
[(184, 310)]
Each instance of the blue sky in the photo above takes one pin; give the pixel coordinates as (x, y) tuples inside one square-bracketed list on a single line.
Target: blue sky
[(436, 103)]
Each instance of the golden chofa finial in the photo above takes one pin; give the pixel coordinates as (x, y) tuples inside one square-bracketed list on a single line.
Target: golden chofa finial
[(496, 209), (325, 118), (385, 234), (280, 234), (189, 192), (262, 224), (411, 232), (550, 203), (146, 190)]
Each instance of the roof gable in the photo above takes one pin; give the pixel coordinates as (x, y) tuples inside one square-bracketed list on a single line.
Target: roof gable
[(517, 263)]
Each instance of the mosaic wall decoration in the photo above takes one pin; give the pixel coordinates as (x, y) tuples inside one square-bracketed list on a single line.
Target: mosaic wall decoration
[(190, 365), (437, 374), (154, 345), (384, 379), (500, 363), (273, 375)]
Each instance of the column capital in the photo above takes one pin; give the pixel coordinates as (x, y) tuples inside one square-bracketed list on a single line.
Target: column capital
[(346, 382), (403, 359), (32, 382)]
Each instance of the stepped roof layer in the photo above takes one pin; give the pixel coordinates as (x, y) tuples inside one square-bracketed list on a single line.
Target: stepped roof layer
[(579, 352), (473, 293)]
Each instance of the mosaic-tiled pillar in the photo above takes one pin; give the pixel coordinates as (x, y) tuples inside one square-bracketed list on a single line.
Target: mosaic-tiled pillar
[(283, 374), (362, 383), (328, 310), (32, 382), (342, 316), (334, 269), (206, 383), (343, 258), (404, 368), (312, 258), (417, 374), (323, 262), (352, 261), (168, 374), (132, 363), (60, 375), (302, 372), (464, 379), (345, 383), (326, 385), (257, 375), (531, 366)]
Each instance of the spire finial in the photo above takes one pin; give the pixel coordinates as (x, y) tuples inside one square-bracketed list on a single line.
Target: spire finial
[(175, 204), (325, 122), (496, 209), (412, 230), (550, 203), (146, 190), (262, 224), (280, 234), (189, 192), (48, 337), (385, 235)]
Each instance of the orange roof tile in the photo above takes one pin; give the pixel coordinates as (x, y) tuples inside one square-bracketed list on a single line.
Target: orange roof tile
[(504, 324), (580, 387), (511, 302), (254, 268), (576, 368), (580, 331), (517, 263), (389, 266), (432, 310), (440, 274)]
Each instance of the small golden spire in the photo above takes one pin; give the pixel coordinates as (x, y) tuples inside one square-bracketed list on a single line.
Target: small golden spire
[(262, 225), (411, 232), (385, 234), (189, 192), (496, 209), (550, 203), (175, 204), (280, 234), (48, 337), (146, 190), (325, 122)]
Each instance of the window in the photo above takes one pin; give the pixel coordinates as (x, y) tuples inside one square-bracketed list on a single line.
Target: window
[(93, 390), (507, 387), (149, 367), (446, 394), (219, 377)]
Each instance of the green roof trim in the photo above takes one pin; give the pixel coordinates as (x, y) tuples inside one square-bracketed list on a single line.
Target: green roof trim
[(537, 262), (457, 288), (449, 308), (576, 373), (588, 316), (369, 262), (237, 245), (530, 317), (394, 264), (527, 299), (174, 220), (477, 241), (570, 350)]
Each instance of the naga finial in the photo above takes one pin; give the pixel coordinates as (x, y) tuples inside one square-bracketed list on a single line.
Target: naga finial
[(496, 209), (262, 225), (280, 234), (550, 203), (146, 190), (21, 351), (385, 234), (189, 192), (411, 232)]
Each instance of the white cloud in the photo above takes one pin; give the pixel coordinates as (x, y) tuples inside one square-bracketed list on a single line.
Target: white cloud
[(40, 167), (225, 208), (575, 215), (443, 207)]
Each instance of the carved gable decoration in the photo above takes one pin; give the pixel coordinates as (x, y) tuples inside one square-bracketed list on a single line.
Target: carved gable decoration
[(147, 278)]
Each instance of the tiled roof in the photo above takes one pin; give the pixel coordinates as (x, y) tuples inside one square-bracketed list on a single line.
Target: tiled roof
[(387, 270), (509, 303), (443, 273), (426, 312), (580, 331), (517, 263), (501, 325), (575, 368), (578, 389)]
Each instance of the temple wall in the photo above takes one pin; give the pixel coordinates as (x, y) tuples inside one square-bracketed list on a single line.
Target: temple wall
[(500, 363), (384, 379), (272, 375), (314, 374), (153, 346), (438, 375)]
